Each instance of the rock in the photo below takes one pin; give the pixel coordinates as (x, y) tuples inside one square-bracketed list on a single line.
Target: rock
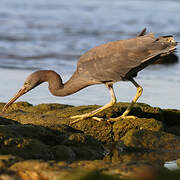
[(63, 153), (178, 162), (29, 131), (16, 143), (8, 160), (85, 146), (37, 169), (9, 175), (34, 141), (131, 169), (91, 175), (38, 142), (151, 140), (102, 131), (25, 148), (135, 170), (171, 117), (173, 130), (120, 128), (140, 110), (154, 157), (34, 170), (5, 121), (168, 175), (17, 106)]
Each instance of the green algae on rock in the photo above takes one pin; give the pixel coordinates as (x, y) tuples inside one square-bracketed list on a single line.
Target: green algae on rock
[(151, 140), (106, 132), (171, 117), (63, 153), (39, 169), (8, 160), (25, 148), (33, 142), (120, 128), (44, 132), (100, 130)]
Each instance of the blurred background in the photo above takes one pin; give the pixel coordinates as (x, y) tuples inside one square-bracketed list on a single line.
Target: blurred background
[(43, 34)]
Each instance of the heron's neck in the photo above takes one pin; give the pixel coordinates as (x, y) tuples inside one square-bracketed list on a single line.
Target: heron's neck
[(57, 88)]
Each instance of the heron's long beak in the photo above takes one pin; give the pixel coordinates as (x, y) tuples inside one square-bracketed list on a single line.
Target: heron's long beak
[(16, 96)]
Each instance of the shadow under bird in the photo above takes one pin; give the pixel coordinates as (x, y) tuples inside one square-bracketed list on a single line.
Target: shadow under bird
[(105, 64)]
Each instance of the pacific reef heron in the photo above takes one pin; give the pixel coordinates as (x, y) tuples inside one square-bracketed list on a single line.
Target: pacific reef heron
[(120, 60)]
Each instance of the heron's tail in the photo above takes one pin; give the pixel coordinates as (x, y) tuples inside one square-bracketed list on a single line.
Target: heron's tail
[(170, 39), (169, 44)]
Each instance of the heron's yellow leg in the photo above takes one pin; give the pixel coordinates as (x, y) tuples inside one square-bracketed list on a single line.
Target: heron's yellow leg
[(91, 114), (126, 112)]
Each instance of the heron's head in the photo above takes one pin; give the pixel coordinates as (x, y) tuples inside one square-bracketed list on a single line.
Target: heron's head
[(31, 82)]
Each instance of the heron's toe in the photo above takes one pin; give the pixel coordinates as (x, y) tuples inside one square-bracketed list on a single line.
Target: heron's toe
[(84, 116), (128, 117), (121, 118), (78, 118), (98, 119)]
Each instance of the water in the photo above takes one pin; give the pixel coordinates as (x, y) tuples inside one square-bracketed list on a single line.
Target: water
[(53, 34)]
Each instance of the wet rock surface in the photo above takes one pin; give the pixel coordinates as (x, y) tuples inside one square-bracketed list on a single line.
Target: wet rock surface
[(38, 142)]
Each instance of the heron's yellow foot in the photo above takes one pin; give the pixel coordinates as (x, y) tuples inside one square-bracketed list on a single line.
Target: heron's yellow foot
[(80, 117), (121, 118), (98, 119), (84, 116)]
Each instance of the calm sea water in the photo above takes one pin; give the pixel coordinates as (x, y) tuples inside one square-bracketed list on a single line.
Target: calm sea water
[(47, 34)]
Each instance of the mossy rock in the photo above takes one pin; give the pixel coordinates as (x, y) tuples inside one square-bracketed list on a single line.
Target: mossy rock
[(140, 110), (121, 127), (151, 140), (8, 160), (61, 113), (158, 158), (49, 107), (85, 146), (79, 139), (173, 130), (5, 121), (21, 139), (50, 123), (63, 153), (25, 148), (18, 106), (39, 169), (101, 131), (90, 175), (171, 117), (133, 170), (30, 131)]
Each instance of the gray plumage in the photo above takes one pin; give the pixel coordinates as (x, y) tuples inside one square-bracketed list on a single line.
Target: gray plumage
[(119, 60)]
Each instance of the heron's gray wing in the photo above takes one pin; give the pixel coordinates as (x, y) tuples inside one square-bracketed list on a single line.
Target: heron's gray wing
[(115, 60)]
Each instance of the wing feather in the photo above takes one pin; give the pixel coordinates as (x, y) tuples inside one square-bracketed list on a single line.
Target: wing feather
[(115, 61)]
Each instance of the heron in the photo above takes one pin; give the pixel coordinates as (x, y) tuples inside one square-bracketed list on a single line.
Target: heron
[(106, 64)]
